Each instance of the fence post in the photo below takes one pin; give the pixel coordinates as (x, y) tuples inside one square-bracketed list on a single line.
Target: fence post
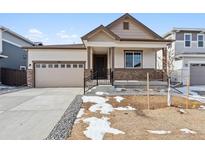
[(148, 100), (187, 101), (97, 78)]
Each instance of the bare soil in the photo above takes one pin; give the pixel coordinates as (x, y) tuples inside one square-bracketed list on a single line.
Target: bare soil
[(160, 117)]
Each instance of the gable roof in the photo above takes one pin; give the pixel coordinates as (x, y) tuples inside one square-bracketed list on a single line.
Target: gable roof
[(101, 27), (59, 46), (16, 35), (128, 16)]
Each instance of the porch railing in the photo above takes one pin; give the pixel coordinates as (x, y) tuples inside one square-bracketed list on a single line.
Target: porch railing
[(94, 80)]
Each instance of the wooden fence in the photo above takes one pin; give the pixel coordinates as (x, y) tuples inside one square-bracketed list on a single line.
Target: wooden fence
[(13, 77)]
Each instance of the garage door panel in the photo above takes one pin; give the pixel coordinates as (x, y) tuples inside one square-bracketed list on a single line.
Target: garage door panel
[(197, 74), (67, 75)]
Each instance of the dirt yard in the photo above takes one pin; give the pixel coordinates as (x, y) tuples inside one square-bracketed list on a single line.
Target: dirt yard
[(139, 123)]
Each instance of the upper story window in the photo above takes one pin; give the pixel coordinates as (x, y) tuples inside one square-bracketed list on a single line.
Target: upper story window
[(187, 40), (133, 59), (126, 25), (200, 40)]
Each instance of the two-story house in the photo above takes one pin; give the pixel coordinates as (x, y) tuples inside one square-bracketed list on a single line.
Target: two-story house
[(189, 55), (12, 55), (11, 52)]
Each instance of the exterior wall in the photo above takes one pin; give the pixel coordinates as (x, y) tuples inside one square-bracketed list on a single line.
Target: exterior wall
[(137, 74), (135, 31), (182, 68), (16, 56), (1, 45), (179, 48), (56, 55), (148, 57), (179, 44), (15, 40)]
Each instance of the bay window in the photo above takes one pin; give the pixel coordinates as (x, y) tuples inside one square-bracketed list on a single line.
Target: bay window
[(133, 59)]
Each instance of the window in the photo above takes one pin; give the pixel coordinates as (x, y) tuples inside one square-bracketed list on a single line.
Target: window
[(38, 65), (43, 65), (55, 65), (50, 65), (200, 39), (126, 25), (68, 65), (75, 65), (187, 40), (62, 65), (80, 65), (133, 59)]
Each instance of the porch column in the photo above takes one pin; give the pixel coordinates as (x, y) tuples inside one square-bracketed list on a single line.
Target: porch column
[(164, 63), (113, 58), (88, 57)]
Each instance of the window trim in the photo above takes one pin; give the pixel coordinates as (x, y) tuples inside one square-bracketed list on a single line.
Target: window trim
[(198, 40), (133, 51), (190, 40)]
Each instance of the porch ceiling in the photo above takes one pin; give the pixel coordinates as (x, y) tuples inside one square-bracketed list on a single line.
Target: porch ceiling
[(100, 50)]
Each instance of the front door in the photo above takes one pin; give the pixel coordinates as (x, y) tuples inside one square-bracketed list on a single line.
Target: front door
[(100, 65)]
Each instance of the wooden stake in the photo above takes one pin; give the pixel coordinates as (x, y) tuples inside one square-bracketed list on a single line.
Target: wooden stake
[(148, 101), (187, 101)]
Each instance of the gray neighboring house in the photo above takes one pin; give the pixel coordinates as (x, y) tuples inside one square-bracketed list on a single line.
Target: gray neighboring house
[(11, 53), (189, 53)]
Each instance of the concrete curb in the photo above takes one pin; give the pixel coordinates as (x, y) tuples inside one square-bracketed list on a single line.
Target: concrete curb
[(64, 127)]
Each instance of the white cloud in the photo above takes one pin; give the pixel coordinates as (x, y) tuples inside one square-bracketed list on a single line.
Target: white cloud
[(37, 36), (64, 35)]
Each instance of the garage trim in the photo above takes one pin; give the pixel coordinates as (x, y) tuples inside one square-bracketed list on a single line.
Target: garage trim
[(47, 62)]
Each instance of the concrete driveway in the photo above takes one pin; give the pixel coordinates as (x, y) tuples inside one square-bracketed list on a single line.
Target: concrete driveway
[(32, 113)]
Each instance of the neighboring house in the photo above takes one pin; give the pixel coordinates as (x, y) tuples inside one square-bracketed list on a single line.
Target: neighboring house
[(125, 47), (189, 55), (11, 53)]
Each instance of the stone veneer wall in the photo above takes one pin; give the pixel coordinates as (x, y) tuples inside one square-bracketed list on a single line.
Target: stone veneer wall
[(30, 78), (137, 74)]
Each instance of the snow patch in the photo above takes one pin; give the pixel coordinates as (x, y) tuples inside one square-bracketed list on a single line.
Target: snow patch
[(94, 99), (187, 131), (127, 108), (101, 93), (104, 108), (118, 98), (193, 94), (98, 127), (202, 107), (159, 132), (80, 113)]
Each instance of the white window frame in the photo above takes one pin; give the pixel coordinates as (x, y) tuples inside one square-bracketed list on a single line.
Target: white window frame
[(133, 51), (190, 40), (198, 40)]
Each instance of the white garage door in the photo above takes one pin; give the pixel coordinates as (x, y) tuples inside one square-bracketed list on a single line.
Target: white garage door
[(59, 74), (197, 74)]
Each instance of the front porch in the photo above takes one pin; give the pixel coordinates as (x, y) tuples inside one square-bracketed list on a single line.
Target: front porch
[(124, 63)]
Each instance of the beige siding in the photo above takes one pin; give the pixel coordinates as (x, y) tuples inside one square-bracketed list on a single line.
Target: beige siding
[(56, 55), (135, 31), (148, 57), (101, 37)]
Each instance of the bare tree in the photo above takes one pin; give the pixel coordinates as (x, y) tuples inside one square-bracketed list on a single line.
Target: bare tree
[(168, 62)]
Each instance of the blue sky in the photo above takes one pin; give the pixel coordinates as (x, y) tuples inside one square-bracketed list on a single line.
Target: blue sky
[(68, 28)]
